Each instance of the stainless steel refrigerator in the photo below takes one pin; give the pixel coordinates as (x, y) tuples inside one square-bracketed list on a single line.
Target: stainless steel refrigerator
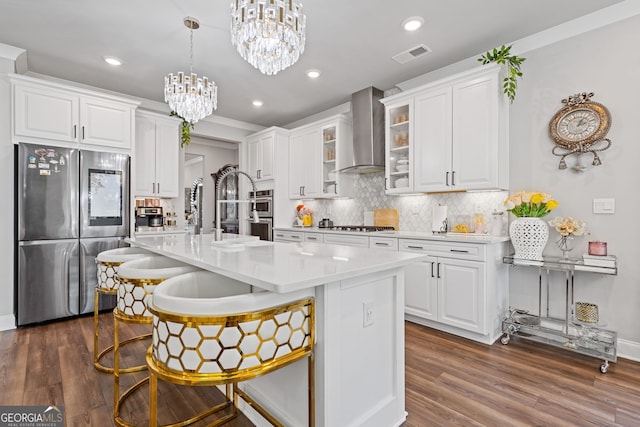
[(71, 205)]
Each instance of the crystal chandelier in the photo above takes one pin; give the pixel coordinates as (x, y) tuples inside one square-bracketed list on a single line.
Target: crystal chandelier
[(191, 97), (268, 34)]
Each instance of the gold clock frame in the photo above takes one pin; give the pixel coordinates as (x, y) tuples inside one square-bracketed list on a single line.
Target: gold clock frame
[(600, 133), (592, 144)]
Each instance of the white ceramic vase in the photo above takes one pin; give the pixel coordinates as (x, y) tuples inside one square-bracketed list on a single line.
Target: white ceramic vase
[(529, 237)]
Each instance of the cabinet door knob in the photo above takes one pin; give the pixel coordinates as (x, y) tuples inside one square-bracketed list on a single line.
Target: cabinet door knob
[(75, 127), (158, 188), (447, 179), (453, 178), (82, 132), (154, 188), (439, 271), (432, 275), (258, 173)]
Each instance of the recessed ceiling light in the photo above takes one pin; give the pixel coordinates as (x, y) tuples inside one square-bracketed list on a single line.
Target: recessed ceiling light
[(313, 74), (412, 23), (257, 103), (112, 60)]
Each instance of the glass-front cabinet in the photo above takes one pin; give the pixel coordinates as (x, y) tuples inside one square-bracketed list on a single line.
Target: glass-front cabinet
[(399, 147), (320, 146)]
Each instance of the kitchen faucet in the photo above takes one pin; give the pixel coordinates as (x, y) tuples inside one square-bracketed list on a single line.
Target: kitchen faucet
[(225, 174)]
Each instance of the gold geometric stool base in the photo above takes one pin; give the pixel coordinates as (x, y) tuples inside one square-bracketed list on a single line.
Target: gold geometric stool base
[(98, 355)]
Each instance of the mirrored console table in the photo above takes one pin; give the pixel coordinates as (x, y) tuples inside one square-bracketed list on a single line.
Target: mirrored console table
[(588, 338)]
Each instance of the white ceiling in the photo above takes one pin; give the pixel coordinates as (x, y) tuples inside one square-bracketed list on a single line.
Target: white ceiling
[(350, 41)]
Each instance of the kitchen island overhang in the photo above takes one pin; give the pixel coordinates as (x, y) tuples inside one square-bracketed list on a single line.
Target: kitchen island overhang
[(359, 296), (272, 266)]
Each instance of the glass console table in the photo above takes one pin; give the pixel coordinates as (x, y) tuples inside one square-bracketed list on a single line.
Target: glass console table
[(590, 339)]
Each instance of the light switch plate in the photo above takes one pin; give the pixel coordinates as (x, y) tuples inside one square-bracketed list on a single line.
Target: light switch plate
[(604, 206)]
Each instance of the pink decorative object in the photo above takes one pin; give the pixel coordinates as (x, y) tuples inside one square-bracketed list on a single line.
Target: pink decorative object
[(598, 248)]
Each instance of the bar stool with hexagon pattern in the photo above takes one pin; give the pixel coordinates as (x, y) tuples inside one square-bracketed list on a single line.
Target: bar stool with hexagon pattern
[(137, 281), (107, 263), (202, 338)]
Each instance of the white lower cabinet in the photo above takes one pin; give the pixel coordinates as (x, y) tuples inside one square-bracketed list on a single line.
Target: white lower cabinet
[(390, 243), (288, 236), (421, 290), (460, 288), (347, 240), (313, 237), (461, 293)]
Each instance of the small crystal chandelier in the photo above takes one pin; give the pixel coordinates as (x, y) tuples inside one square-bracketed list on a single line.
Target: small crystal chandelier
[(192, 98), (268, 34)]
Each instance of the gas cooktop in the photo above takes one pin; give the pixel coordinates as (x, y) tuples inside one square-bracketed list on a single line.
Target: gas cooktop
[(362, 228)]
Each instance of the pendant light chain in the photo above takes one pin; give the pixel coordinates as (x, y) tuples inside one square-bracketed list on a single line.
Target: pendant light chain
[(191, 50)]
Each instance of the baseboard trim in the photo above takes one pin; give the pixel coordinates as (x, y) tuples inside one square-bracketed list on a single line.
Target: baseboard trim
[(629, 350), (7, 322)]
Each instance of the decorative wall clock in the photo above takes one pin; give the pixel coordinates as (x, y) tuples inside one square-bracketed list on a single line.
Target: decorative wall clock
[(580, 127)]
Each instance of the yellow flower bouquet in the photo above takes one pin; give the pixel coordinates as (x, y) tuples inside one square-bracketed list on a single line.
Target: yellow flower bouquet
[(530, 204)]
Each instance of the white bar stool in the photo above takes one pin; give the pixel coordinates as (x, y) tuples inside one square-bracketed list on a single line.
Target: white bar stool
[(137, 280), (203, 339), (107, 263)]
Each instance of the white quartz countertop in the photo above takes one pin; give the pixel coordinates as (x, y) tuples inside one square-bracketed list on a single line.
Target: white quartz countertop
[(159, 232), (277, 267), (419, 235)]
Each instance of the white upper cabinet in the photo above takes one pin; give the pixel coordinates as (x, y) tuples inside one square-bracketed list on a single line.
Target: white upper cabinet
[(45, 113), (156, 155), (105, 122), (261, 151), (49, 111), (316, 152), (305, 160), (457, 134), (433, 130)]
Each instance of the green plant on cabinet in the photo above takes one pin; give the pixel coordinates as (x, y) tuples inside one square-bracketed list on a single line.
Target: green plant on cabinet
[(503, 56)]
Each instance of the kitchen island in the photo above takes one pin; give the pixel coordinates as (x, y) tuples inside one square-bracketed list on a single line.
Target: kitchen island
[(359, 296)]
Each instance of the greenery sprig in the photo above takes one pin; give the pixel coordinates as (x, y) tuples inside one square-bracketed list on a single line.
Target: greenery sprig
[(503, 56), (185, 130)]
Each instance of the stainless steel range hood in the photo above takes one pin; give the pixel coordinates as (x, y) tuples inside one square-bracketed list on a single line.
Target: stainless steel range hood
[(368, 132)]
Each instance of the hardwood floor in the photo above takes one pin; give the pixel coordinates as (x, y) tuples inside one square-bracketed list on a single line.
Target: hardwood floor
[(449, 381)]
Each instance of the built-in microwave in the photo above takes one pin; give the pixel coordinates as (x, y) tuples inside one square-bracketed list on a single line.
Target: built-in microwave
[(264, 202)]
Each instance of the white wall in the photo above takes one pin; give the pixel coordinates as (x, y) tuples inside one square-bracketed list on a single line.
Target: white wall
[(7, 194), (216, 154), (604, 61)]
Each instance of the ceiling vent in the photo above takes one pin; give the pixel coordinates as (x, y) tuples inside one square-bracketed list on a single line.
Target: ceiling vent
[(411, 54)]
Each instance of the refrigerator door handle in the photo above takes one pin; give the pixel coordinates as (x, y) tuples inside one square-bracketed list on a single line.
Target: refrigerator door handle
[(72, 306)]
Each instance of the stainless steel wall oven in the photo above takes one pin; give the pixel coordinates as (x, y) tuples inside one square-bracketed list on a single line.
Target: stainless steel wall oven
[(264, 206)]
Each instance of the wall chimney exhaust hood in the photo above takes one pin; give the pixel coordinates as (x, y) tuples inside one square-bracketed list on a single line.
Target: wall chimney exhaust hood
[(368, 132)]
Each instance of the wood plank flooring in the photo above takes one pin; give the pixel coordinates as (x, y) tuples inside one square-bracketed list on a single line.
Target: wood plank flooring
[(450, 381)]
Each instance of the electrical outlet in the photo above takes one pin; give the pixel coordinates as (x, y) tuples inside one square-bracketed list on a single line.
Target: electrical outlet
[(368, 314)]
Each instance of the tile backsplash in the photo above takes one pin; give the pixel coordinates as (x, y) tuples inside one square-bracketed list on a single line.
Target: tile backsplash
[(415, 211)]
